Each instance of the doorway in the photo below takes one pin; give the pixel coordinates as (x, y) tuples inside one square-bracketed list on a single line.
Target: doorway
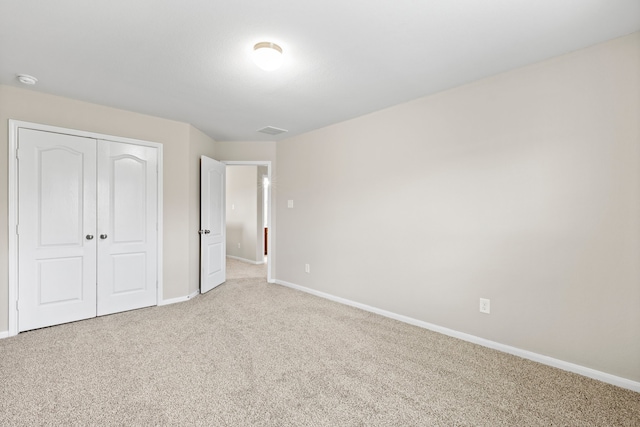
[(251, 245), (265, 213)]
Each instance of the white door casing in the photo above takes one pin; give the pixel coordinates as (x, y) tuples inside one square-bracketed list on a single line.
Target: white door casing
[(212, 224), (127, 226), (56, 237)]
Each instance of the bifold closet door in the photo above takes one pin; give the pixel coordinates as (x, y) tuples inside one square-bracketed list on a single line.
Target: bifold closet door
[(127, 226), (56, 229)]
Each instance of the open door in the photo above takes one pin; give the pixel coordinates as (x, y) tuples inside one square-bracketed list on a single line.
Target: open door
[(213, 271)]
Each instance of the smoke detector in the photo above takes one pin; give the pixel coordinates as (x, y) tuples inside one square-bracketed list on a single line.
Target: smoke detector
[(27, 79)]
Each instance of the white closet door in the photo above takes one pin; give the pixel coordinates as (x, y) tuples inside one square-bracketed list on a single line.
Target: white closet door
[(56, 231), (127, 226)]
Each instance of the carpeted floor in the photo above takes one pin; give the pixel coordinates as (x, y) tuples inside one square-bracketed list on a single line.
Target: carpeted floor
[(250, 353), (243, 270)]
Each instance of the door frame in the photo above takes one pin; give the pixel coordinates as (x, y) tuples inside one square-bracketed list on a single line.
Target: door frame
[(14, 125), (270, 248)]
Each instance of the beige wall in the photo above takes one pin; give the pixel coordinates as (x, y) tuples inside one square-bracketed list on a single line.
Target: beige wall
[(199, 145), (179, 141), (523, 188), (246, 151), (242, 212)]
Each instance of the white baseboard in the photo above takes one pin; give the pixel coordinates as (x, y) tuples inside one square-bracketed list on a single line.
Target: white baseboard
[(545, 360), (179, 299), (5, 334), (245, 260)]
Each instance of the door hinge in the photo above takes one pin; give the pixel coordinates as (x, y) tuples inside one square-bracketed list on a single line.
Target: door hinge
[(17, 305), (18, 153), (18, 229)]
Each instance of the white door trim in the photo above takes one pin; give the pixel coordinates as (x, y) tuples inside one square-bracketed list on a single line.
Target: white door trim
[(14, 125), (270, 248)]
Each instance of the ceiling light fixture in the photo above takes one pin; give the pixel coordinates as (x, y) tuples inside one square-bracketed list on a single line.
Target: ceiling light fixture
[(267, 56), (27, 79)]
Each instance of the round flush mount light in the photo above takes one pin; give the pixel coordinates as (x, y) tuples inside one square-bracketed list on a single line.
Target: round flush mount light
[(27, 79), (267, 56)]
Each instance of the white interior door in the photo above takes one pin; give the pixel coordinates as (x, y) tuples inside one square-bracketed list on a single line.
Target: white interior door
[(127, 226), (56, 228), (213, 250)]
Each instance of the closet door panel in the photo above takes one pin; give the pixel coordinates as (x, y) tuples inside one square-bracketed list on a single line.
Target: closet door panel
[(127, 226), (57, 221)]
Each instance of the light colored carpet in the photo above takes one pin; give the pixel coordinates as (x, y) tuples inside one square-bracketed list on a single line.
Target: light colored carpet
[(243, 270), (250, 353)]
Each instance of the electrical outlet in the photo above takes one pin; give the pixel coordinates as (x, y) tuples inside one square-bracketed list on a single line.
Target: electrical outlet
[(290, 204), (485, 305), (307, 268), (238, 245)]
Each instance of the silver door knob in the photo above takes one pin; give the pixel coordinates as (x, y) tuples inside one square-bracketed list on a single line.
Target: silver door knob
[(89, 236), (103, 236)]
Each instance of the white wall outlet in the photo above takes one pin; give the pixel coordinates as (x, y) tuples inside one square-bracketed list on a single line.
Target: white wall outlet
[(485, 305), (290, 204), (233, 206), (238, 245), (307, 268)]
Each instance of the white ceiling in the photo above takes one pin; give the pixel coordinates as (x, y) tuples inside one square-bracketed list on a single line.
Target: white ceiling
[(188, 60)]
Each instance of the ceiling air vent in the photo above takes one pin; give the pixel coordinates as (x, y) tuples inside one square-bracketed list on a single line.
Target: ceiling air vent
[(270, 130)]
